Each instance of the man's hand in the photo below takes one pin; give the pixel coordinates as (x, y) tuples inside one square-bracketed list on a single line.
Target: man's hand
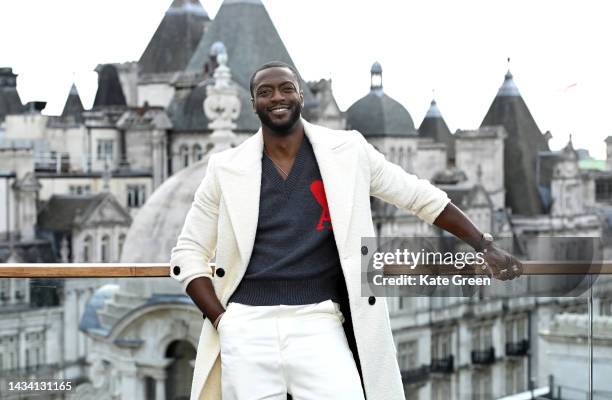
[(500, 264), (203, 295)]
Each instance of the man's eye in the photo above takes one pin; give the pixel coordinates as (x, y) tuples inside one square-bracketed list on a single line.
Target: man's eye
[(263, 93), (288, 90)]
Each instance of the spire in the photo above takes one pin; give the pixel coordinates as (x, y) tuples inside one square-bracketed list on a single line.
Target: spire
[(250, 39), (175, 39), (434, 127), (376, 78), (508, 88), (433, 111), (73, 105), (569, 147), (521, 146), (187, 7)]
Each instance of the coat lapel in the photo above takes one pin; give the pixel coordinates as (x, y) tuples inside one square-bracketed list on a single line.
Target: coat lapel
[(240, 181), (337, 163)]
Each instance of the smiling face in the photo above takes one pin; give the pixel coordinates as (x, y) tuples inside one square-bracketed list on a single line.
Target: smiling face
[(277, 99)]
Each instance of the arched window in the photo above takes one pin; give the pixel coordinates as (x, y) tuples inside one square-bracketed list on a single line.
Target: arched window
[(184, 154), (392, 155), (120, 242), (400, 160), (105, 249), (178, 372), (197, 152), (87, 249)]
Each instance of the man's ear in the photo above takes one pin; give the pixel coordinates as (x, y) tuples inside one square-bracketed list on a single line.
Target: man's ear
[(253, 105), (302, 98)]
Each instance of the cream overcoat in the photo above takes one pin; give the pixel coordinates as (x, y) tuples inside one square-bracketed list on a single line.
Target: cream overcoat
[(222, 222)]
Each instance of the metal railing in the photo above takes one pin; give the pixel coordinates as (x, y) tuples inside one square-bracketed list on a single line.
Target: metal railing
[(517, 349), (416, 375), (85, 270), (152, 270), (444, 365), (483, 357)]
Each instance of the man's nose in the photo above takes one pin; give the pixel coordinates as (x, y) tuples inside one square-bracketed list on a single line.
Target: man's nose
[(277, 95)]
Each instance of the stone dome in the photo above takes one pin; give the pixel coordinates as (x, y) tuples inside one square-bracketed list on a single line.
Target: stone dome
[(156, 227), (377, 114)]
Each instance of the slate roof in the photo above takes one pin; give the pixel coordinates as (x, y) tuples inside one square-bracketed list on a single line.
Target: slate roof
[(251, 40), (186, 110), (521, 147), (377, 114), (175, 39), (110, 92), (10, 103), (434, 127), (73, 106), (60, 211)]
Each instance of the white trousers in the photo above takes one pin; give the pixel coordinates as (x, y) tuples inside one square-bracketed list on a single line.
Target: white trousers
[(269, 351)]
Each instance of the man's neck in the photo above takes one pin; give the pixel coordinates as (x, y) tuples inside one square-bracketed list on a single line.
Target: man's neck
[(283, 147)]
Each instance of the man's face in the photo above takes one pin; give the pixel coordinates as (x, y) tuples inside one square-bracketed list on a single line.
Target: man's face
[(277, 99)]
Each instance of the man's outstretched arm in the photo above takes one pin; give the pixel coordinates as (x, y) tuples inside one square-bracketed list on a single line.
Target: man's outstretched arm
[(500, 264), (453, 220), (392, 184)]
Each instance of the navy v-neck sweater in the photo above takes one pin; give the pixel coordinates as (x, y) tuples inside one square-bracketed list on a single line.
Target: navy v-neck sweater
[(295, 259)]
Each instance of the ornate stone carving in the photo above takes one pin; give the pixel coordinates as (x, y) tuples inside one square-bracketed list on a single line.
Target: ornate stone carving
[(222, 105)]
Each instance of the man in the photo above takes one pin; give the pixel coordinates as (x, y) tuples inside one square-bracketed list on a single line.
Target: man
[(285, 212)]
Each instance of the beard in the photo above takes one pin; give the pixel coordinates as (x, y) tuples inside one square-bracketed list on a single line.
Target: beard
[(281, 128)]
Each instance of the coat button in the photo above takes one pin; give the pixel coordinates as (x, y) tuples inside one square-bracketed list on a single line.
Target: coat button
[(176, 270), (371, 300), (364, 250), (220, 272)]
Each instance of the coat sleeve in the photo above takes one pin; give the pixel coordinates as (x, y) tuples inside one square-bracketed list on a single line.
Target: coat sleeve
[(197, 241), (389, 182)]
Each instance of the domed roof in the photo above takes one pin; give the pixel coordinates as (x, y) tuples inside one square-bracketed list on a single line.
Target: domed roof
[(157, 226), (186, 110), (90, 321), (376, 68), (377, 114), (150, 239)]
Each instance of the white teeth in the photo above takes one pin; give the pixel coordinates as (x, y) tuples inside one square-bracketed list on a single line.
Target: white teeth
[(279, 110)]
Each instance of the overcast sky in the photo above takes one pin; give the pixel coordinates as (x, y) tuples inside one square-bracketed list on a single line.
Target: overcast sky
[(457, 50)]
